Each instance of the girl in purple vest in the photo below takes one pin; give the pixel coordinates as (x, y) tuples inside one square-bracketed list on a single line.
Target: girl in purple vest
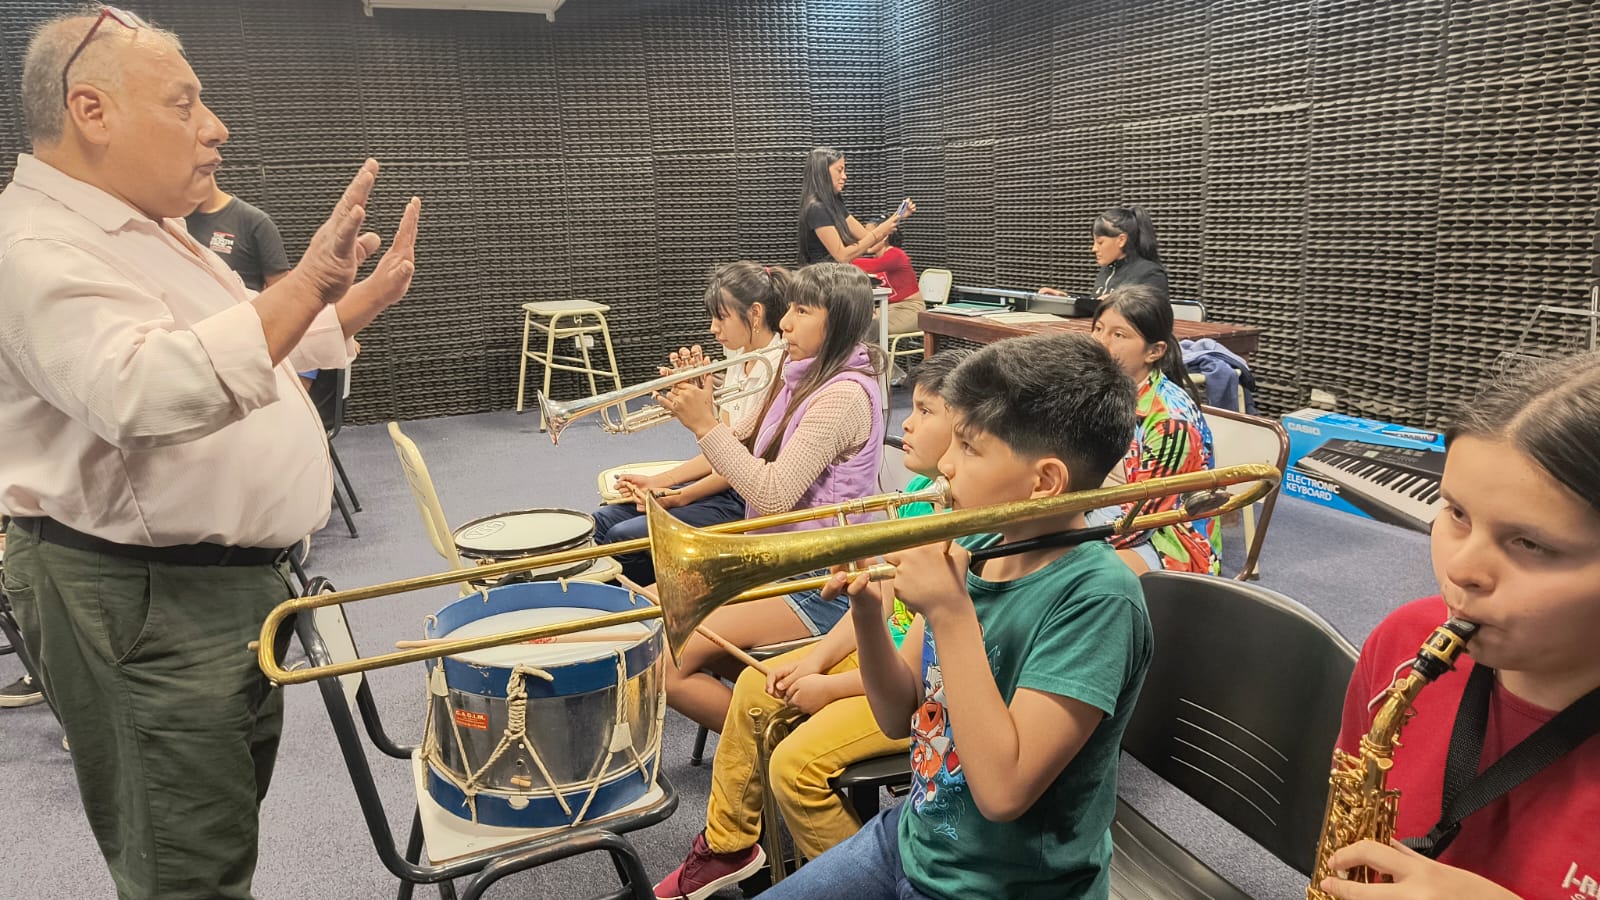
[(815, 440)]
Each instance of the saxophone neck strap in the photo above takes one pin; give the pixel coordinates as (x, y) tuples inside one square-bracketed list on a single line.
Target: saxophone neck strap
[(1466, 790)]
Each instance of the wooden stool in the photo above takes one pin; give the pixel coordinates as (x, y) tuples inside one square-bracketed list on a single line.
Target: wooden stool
[(560, 319)]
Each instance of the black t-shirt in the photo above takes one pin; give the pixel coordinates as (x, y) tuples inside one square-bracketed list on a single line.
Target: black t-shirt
[(245, 238), (811, 248), (1131, 270)]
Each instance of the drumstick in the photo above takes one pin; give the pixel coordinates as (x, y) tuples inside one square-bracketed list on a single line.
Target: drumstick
[(626, 493), (733, 649)]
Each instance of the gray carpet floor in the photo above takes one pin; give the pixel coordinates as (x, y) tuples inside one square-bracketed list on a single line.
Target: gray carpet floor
[(314, 842)]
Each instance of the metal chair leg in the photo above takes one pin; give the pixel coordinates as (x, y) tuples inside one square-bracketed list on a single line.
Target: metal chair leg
[(699, 754), (345, 511), (522, 377), (355, 502)]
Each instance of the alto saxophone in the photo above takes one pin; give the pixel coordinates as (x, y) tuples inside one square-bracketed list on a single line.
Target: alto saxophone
[(1360, 805)]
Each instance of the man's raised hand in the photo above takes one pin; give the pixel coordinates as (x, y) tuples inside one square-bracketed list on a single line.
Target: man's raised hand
[(339, 246)]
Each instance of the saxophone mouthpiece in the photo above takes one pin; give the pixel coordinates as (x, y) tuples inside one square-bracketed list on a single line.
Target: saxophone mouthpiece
[(1439, 653)]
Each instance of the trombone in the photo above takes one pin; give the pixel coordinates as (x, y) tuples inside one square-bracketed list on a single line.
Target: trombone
[(612, 406), (936, 493), (699, 570)]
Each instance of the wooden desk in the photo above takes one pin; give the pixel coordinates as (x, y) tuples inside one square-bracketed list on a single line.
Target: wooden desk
[(1241, 339)]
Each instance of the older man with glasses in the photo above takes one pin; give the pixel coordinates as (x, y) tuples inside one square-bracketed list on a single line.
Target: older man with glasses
[(161, 453)]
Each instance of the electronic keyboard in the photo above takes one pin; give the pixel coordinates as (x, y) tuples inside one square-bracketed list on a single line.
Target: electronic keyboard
[(1398, 485)]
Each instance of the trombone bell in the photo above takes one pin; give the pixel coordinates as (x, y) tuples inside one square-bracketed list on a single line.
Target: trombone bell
[(698, 570)]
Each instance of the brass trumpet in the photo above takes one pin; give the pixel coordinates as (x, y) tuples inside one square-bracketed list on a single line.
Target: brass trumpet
[(699, 570), (615, 418)]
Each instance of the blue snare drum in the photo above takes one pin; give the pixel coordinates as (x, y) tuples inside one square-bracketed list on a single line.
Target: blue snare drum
[(544, 735)]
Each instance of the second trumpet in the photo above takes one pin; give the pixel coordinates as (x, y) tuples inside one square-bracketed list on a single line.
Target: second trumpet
[(616, 418)]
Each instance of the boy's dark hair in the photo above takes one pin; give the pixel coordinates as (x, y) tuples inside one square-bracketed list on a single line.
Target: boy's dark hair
[(1150, 313), (1043, 395), (932, 373), (1134, 222), (1550, 411), (747, 284)]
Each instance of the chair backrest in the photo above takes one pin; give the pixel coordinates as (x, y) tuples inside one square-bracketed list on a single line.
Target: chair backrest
[(1189, 310), (935, 286), (1242, 705), (417, 478), (1238, 438)]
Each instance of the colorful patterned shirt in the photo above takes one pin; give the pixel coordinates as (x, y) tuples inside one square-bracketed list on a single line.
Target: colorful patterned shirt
[(1172, 439)]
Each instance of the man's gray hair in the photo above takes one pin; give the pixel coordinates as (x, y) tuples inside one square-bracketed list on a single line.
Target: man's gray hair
[(43, 105)]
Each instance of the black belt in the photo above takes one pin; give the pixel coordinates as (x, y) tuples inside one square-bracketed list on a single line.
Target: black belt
[(52, 532)]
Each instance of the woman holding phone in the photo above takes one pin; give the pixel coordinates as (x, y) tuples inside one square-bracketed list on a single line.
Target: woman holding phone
[(827, 231)]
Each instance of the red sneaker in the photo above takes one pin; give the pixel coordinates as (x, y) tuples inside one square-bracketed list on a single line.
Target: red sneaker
[(704, 873)]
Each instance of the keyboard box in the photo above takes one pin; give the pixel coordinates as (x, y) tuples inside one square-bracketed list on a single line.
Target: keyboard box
[(1376, 470)]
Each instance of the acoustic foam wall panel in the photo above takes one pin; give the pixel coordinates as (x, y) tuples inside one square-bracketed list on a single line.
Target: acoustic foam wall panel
[(768, 62), (1373, 183), (399, 52), (1087, 66), (1163, 169), (303, 62), (1274, 143), (510, 93), (1255, 234), (1028, 209), (690, 79)]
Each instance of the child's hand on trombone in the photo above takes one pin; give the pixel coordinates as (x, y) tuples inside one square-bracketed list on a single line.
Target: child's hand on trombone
[(863, 592), (932, 579)]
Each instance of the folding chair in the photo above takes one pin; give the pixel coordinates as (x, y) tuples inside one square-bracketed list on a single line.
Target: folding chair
[(438, 528), (1237, 439), (1240, 710), (494, 852), (934, 285)]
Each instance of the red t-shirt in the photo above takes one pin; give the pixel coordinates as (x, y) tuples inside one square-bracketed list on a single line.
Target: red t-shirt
[(1541, 840), (893, 270)]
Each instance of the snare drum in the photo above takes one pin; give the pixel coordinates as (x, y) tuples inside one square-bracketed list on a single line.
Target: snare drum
[(527, 532), (592, 711)]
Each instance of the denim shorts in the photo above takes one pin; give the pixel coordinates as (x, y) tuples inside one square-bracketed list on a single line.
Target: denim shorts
[(817, 614), (1109, 515)]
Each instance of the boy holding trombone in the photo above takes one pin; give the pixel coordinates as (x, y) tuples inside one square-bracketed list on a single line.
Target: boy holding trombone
[(1018, 678)]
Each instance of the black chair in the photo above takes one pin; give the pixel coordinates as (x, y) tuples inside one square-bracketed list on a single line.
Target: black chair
[(1240, 711), (327, 394), (327, 638)]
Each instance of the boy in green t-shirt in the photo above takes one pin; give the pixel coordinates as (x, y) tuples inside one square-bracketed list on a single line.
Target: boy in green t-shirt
[(1017, 680), (822, 681)]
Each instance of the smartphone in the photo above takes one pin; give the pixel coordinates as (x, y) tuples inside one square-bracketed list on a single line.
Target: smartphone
[(905, 207)]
